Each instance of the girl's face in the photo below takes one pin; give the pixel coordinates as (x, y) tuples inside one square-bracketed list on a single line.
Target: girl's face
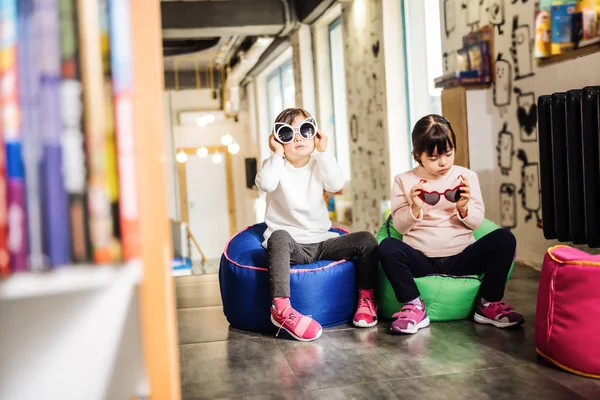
[(299, 148), (438, 164)]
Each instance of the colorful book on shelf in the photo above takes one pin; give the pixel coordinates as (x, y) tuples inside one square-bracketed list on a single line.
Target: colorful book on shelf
[(562, 28), (11, 127), (74, 153), (543, 33), (111, 149), (485, 33), (29, 84), (104, 244), (122, 79), (590, 13), (57, 235), (4, 254)]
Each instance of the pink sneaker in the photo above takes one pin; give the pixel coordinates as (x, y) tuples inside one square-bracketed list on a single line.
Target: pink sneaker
[(497, 313), (410, 319), (299, 326), (366, 311)]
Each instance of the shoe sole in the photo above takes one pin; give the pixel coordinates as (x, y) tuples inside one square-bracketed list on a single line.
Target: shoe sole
[(423, 324), (363, 324), (295, 336), (486, 321)]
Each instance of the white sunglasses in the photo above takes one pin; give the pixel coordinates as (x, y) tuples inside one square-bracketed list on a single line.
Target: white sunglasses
[(284, 133)]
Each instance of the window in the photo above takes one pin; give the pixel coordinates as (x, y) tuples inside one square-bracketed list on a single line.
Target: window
[(422, 97), (338, 92), (280, 90)]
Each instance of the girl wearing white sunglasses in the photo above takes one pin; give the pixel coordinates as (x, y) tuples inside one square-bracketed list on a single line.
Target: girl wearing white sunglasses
[(298, 223)]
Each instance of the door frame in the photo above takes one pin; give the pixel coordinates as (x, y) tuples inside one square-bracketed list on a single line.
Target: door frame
[(183, 191)]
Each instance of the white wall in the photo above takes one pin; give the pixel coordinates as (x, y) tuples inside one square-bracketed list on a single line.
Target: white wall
[(483, 137), (194, 136)]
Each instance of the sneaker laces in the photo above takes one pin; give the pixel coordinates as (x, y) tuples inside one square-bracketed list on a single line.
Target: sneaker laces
[(367, 302), (291, 317)]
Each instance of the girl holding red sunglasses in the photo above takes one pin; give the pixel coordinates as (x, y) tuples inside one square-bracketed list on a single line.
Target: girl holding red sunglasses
[(298, 223), (436, 207)]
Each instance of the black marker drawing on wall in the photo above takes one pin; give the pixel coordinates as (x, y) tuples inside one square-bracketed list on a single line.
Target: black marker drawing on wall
[(496, 14), (516, 1), (502, 86), (449, 17), (354, 128), (375, 48), (508, 206), (527, 115), (530, 187), (446, 66), (374, 217), (449, 62), (473, 8), (522, 49), (506, 150), (376, 95), (371, 169), (382, 174), (363, 166)]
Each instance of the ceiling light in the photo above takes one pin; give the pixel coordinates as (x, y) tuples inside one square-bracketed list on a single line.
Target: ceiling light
[(217, 158), (202, 152), (226, 139), (181, 157), (233, 148)]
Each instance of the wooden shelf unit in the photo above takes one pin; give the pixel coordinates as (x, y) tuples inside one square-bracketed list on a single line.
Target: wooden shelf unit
[(105, 331), (157, 292)]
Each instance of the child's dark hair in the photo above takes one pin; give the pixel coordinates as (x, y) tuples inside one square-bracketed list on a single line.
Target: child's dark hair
[(430, 133), (288, 115)]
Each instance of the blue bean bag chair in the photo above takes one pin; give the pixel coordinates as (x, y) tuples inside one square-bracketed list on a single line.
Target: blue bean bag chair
[(325, 290)]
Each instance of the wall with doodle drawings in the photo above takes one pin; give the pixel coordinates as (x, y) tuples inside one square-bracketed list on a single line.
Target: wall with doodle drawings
[(362, 24), (512, 191)]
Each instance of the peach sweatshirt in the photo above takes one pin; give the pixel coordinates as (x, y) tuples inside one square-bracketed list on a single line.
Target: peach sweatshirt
[(439, 231)]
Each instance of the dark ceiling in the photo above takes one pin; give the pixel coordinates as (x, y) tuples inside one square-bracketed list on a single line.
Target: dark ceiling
[(195, 31)]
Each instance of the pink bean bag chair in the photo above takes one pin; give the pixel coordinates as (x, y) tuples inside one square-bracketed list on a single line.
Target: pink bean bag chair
[(567, 326)]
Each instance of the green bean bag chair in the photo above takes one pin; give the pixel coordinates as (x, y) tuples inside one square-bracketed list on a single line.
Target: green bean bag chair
[(447, 297)]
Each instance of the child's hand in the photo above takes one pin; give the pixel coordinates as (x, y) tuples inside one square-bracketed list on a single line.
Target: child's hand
[(465, 196), (275, 146), (321, 142), (417, 202)]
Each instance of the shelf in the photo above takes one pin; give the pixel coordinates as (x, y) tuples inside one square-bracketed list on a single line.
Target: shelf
[(70, 279), (580, 52)]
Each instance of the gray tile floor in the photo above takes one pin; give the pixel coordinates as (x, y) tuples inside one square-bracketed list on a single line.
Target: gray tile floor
[(450, 360)]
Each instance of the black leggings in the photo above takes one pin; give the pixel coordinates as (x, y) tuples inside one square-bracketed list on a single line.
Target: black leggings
[(491, 255), (284, 250)]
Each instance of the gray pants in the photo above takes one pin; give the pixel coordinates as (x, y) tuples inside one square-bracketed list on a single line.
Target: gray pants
[(284, 251)]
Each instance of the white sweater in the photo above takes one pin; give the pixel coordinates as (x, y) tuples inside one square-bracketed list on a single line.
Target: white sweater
[(295, 196)]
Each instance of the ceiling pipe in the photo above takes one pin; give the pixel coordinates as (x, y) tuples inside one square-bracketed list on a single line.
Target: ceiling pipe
[(290, 20), (240, 70)]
